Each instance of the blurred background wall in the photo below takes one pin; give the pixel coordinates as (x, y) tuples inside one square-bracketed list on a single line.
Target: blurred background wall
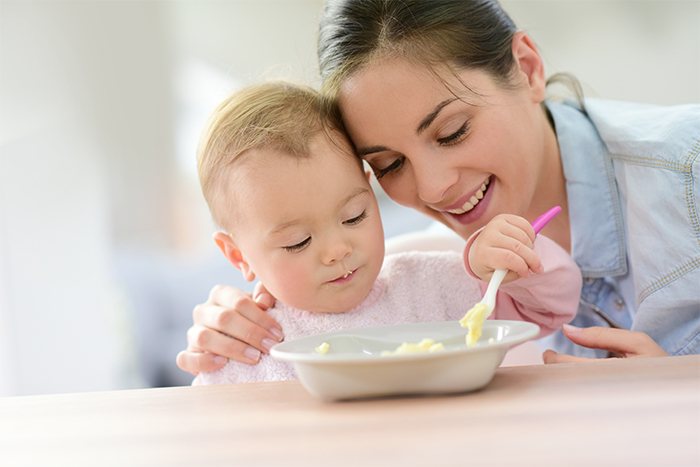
[(104, 238)]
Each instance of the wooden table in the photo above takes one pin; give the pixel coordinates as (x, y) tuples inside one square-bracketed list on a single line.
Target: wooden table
[(614, 412)]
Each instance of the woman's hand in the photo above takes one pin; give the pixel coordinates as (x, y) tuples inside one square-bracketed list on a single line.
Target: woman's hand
[(506, 242), (619, 342), (229, 325)]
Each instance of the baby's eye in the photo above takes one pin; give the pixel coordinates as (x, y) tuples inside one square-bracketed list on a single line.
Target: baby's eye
[(393, 167), (298, 246), (356, 220), (455, 137)]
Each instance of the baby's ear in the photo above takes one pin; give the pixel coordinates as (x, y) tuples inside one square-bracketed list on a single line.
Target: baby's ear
[(235, 256)]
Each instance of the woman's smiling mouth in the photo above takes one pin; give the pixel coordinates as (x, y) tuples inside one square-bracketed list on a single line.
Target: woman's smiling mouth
[(472, 202)]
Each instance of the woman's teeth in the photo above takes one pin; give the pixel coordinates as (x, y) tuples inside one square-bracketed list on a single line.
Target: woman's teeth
[(473, 201)]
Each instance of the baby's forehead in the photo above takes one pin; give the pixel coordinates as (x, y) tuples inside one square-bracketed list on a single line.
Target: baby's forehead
[(268, 183), (328, 153)]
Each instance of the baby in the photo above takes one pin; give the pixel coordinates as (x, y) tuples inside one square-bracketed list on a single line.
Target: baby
[(298, 213)]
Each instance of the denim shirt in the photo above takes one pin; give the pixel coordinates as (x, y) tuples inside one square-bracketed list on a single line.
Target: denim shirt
[(633, 186)]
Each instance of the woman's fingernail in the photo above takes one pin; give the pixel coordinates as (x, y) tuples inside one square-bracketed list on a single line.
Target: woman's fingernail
[(268, 343), (570, 329), (251, 353), (265, 299), (277, 333), (219, 360)]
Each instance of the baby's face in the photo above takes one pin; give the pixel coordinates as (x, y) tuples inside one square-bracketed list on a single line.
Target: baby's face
[(310, 227)]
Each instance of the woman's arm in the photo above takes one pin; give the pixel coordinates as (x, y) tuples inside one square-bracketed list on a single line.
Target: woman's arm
[(229, 325)]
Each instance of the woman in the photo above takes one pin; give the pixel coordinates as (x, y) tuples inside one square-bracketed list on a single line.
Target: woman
[(446, 102)]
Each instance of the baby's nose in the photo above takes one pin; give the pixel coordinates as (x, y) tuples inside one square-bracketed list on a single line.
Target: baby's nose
[(337, 251)]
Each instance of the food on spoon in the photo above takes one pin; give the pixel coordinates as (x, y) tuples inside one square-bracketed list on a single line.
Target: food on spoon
[(323, 348), (474, 320)]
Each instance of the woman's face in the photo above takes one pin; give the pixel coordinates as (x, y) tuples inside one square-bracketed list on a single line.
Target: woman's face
[(459, 155)]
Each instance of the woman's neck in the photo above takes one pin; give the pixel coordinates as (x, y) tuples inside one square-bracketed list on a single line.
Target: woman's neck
[(551, 190)]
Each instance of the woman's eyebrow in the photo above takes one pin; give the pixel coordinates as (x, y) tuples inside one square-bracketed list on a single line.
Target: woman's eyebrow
[(425, 123), (362, 152)]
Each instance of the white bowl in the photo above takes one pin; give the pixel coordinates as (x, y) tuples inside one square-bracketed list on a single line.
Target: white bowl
[(354, 366)]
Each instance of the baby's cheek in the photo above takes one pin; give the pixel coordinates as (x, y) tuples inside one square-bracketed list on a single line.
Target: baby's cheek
[(296, 287)]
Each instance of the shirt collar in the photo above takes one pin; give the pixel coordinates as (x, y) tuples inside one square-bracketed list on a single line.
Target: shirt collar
[(595, 212)]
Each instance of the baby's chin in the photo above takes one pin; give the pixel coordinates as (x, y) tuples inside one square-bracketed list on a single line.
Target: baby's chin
[(336, 307), (333, 304)]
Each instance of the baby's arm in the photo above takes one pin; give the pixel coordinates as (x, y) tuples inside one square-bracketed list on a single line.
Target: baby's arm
[(549, 298), (548, 284)]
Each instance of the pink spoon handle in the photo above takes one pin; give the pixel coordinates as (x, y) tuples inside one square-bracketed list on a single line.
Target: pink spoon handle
[(541, 221)]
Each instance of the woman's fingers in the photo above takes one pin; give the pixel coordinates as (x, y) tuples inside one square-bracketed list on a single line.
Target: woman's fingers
[(209, 350), (262, 297), (228, 297), (550, 356), (229, 325), (204, 339), (619, 341), (197, 362), (216, 326), (236, 314)]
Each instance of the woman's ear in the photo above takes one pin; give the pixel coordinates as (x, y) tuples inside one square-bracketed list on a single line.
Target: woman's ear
[(233, 254), (529, 64)]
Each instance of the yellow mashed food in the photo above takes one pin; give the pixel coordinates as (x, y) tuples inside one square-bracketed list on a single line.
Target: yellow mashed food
[(426, 345), (474, 320), (323, 348)]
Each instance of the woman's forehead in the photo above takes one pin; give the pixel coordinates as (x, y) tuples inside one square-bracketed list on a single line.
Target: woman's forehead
[(408, 82), (400, 96)]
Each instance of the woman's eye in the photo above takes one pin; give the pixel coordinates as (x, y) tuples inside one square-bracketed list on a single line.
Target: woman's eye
[(298, 246), (394, 166), (356, 220), (454, 137)]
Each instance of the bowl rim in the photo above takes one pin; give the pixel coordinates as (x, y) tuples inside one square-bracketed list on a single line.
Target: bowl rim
[(525, 331)]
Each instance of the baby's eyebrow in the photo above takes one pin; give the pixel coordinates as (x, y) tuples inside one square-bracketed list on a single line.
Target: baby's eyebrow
[(291, 223), (358, 192), (284, 226)]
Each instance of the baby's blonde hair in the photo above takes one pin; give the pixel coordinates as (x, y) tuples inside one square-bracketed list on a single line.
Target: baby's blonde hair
[(277, 115)]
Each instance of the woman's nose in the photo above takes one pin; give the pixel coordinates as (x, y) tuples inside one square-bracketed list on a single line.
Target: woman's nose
[(433, 179)]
